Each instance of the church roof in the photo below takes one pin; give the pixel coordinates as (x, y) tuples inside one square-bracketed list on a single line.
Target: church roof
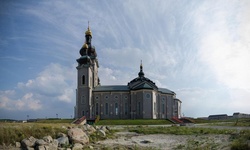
[(165, 91), (104, 88), (141, 82), (143, 86)]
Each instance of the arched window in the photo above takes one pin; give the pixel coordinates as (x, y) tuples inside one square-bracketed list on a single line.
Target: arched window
[(83, 79), (116, 108)]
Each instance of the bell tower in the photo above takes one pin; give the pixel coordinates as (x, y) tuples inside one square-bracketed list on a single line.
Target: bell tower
[(87, 78)]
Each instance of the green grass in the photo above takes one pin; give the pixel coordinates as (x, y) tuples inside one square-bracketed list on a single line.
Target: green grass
[(133, 122), (226, 122), (239, 140), (15, 132), (179, 130), (56, 121)]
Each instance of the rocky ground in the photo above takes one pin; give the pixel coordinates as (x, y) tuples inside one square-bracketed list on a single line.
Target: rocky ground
[(78, 138), (166, 142)]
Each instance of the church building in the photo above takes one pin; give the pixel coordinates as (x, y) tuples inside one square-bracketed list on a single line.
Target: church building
[(141, 98)]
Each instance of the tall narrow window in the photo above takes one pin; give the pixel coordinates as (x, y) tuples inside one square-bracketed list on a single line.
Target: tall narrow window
[(83, 113), (163, 108), (106, 108), (139, 108), (126, 109), (83, 79), (96, 109), (155, 107), (116, 108)]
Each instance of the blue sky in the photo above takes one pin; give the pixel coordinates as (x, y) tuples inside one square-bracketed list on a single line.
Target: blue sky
[(199, 49)]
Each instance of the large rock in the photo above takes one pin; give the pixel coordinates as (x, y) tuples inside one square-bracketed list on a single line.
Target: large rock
[(105, 129), (47, 143), (18, 144), (42, 147), (60, 134), (51, 144), (63, 141), (28, 142), (76, 135), (46, 147), (77, 146), (54, 144), (102, 133), (89, 129), (48, 139)]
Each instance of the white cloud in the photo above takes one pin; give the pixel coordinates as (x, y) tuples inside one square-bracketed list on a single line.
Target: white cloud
[(239, 100), (223, 50), (110, 76), (4, 97), (198, 102), (55, 83), (27, 102), (224, 46)]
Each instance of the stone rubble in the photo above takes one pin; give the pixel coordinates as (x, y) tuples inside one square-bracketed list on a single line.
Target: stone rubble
[(76, 139)]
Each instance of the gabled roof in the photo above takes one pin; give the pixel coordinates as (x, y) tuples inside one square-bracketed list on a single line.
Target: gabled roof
[(105, 88), (144, 85), (165, 91)]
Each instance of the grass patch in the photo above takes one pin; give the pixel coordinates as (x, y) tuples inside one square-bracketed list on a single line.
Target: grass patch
[(204, 144), (179, 130), (134, 122), (55, 121), (239, 140), (95, 137), (226, 122), (15, 132)]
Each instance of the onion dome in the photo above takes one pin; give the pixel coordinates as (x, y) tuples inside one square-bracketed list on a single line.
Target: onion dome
[(83, 50), (88, 32), (85, 45)]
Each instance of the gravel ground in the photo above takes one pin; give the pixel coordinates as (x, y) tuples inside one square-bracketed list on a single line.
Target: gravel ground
[(167, 142)]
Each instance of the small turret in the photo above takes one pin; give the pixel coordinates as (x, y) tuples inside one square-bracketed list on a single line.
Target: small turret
[(141, 73)]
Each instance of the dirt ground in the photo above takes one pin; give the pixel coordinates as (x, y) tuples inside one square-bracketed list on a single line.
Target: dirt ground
[(166, 142)]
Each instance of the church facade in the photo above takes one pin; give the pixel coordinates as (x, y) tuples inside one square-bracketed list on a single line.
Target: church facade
[(139, 99)]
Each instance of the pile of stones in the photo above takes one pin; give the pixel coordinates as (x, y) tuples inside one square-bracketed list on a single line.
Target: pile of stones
[(77, 138)]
